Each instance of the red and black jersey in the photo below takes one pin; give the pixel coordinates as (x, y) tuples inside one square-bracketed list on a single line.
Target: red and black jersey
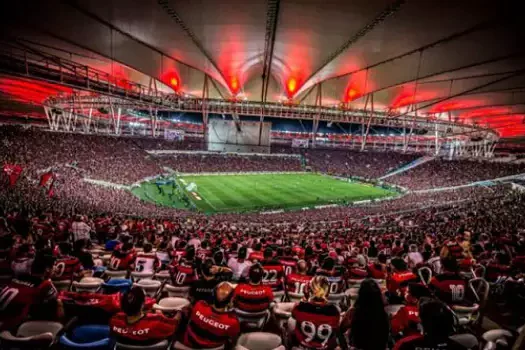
[(121, 260), (449, 288), (66, 267), (203, 253), (43, 229), (252, 298), (146, 262), (177, 256), (357, 273), (495, 271), (256, 256), (296, 283), (406, 320), (336, 280), (518, 263), (316, 325), (377, 271), (397, 282), (208, 328), (183, 275), (455, 250), (24, 296), (273, 274), (417, 342), (289, 265), (109, 303), (61, 233), (149, 329)]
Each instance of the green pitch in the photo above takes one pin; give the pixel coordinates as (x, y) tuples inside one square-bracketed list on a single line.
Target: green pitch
[(258, 192)]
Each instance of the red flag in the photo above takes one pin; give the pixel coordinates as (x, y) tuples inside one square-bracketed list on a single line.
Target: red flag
[(44, 179), (50, 191), (13, 171)]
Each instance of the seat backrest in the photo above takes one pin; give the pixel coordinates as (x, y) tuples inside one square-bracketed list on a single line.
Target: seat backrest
[(469, 341), (425, 274), (159, 346), (481, 288), (89, 333), (259, 341), (41, 341), (32, 328)]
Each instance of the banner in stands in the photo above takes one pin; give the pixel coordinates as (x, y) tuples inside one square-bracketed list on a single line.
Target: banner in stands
[(173, 135), (300, 143)]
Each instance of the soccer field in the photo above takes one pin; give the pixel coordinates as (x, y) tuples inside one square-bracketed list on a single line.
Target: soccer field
[(258, 192)]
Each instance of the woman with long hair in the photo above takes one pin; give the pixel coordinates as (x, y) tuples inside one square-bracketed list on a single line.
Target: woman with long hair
[(367, 320)]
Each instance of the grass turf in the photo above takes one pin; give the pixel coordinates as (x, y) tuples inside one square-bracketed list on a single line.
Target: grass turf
[(257, 192)]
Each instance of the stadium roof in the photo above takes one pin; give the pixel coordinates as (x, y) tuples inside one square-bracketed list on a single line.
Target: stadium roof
[(463, 57)]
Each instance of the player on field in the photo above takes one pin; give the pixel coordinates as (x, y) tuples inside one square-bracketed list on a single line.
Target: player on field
[(30, 295), (316, 321), (135, 327), (212, 325)]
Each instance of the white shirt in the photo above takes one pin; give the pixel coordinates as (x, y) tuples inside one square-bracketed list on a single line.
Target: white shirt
[(80, 230), (195, 242), (238, 268)]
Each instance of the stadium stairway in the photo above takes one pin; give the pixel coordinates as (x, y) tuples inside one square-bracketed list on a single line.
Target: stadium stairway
[(407, 166)]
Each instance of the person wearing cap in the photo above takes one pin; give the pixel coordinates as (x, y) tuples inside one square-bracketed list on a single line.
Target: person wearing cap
[(136, 327), (211, 325), (253, 296)]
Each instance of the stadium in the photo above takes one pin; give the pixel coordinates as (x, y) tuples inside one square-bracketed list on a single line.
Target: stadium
[(262, 175)]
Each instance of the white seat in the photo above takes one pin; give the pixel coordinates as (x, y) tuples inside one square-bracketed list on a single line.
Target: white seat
[(137, 276), (105, 258), (465, 314), (259, 341), (158, 346), (495, 334), (41, 341), (393, 309), (469, 341), (162, 275), (295, 297), (116, 274), (179, 346), (32, 328), (149, 286), (336, 299), (171, 304), (62, 285), (252, 320), (352, 294), (282, 312), (88, 284), (354, 283), (175, 291), (278, 296)]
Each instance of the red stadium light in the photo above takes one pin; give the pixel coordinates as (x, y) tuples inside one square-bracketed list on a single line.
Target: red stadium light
[(234, 85), (172, 80), (352, 93)]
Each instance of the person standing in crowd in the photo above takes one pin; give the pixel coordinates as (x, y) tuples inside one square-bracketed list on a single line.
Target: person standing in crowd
[(79, 229)]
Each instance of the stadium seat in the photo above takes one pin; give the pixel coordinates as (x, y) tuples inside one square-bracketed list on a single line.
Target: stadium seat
[(425, 274), (282, 312), (171, 304), (116, 274), (159, 346), (252, 320), (352, 294), (62, 286), (259, 341), (179, 346), (495, 334), (31, 335), (465, 314), (150, 287), (162, 275), (116, 285), (92, 337), (110, 245), (295, 297), (278, 296), (179, 292), (337, 299), (467, 340), (137, 276), (88, 284), (105, 258), (393, 309)]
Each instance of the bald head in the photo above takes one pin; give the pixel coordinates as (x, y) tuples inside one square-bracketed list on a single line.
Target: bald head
[(223, 295)]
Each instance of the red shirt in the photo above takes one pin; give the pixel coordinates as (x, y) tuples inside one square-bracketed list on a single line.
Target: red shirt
[(416, 342), (398, 281), (121, 260), (22, 296), (289, 265), (273, 275), (150, 329), (66, 267), (295, 283), (256, 256), (377, 271), (406, 320), (43, 229), (449, 288), (252, 298), (109, 303), (317, 325), (208, 328), (183, 275)]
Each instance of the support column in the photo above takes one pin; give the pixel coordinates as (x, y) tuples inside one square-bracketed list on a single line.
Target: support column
[(317, 116), (205, 95), (366, 132)]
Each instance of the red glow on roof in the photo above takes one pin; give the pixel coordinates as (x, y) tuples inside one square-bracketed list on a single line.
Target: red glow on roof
[(452, 105), (234, 85), (172, 79), (291, 86), (482, 112), (352, 93), (30, 90), (408, 96)]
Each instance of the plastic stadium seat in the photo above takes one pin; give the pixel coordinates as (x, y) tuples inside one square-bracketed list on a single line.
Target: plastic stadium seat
[(116, 286), (92, 337), (171, 304), (278, 296), (252, 320), (179, 292), (116, 274), (88, 284), (282, 312), (295, 297), (137, 276), (393, 309), (467, 340), (352, 294), (259, 341), (62, 285), (465, 314), (354, 283), (105, 258), (180, 346), (336, 299), (149, 286), (31, 335), (425, 274), (162, 275), (495, 334), (110, 245), (159, 346)]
